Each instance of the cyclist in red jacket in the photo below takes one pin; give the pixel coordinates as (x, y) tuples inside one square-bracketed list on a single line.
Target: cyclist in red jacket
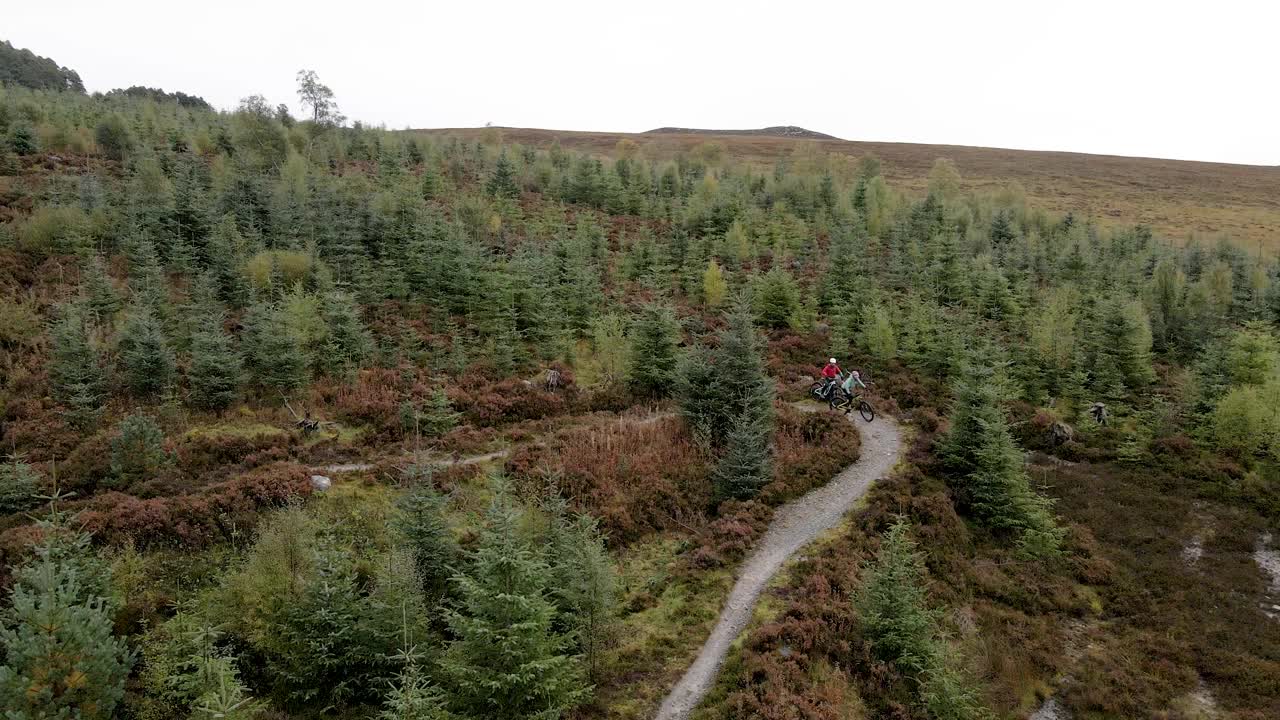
[(830, 374)]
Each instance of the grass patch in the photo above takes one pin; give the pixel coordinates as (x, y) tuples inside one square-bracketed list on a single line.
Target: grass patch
[(666, 618)]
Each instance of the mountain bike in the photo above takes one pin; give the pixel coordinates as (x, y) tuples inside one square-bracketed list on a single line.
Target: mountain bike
[(847, 402)]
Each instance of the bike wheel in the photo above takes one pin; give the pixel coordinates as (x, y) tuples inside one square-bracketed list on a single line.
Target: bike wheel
[(864, 409)]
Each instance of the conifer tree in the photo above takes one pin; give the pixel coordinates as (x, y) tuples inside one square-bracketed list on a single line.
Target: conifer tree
[(745, 466), (216, 368), (507, 660), (421, 521), (79, 381), (273, 352), (413, 696), (225, 257), (877, 333), (652, 360), (989, 475), (503, 181), (100, 295), (348, 343), (19, 485), (583, 579), (61, 659), (137, 450), (714, 287), (148, 361), (717, 386), (776, 298), (904, 631)]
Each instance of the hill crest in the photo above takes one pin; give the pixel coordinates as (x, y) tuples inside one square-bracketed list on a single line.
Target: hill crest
[(789, 131)]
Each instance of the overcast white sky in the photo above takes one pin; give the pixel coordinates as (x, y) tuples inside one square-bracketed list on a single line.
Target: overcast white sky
[(1163, 79)]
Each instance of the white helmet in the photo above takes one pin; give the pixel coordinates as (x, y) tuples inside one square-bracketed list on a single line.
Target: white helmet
[(833, 361)]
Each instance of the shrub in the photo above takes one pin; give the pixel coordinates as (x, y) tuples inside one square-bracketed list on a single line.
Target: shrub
[(137, 451), (505, 401), (287, 266), (1247, 420), (55, 230), (635, 478), (113, 137), (217, 513)]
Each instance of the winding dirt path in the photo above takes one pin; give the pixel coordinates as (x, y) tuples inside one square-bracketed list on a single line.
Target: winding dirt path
[(794, 526)]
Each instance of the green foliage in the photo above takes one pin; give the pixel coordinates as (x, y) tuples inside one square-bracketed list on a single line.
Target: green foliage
[(714, 287), (19, 485), (347, 343), (186, 672), (1247, 420), (137, 450), (55, 230), (413, 697), (507, 660), (79, 381), (24, 68), (776, 298), (23, 141), (100, 294), (148, 362), (274, 354), (322, 621), (744, 467), (502, 183), (877, 333), (609, 347), (421, 522), (216, 368), (651, 364), (584, 581), (434, 419), (113, 137), (1253, 355), (60, 657), (719, 386), (990, 479), (259, 134), (903, 630)]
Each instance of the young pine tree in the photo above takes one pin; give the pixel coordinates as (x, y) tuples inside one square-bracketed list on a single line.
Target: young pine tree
[(19, 485), (61, 659), (716, 386), (100, 295), (79, 381), (652, 360), (273, 351), (989, 476), (745, 466), (421, 522), (903, 630), (776, 298), (507, 659), (414, 697), (584, 580), (145, 355), (137, 450), (216, 368), (714, 287), (503, 181), (348, 343)]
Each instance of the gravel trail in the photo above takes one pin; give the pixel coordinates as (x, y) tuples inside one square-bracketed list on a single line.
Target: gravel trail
[(794, 526)]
